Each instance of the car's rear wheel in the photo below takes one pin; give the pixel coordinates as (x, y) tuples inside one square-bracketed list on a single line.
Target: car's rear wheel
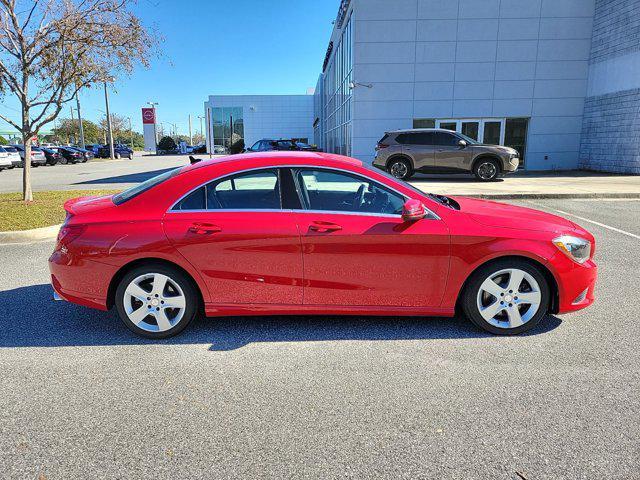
[(400, 168), (156, 301), (506, 297), (486, 169)]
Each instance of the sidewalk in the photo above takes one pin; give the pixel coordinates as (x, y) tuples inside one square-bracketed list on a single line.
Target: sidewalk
[(570, 184)]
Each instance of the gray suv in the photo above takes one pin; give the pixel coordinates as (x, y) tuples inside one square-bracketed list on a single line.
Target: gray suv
[(434, 150)]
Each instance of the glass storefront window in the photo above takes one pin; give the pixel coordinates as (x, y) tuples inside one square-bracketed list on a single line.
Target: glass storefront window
[(424, 123), (222, 117), (515, 134)]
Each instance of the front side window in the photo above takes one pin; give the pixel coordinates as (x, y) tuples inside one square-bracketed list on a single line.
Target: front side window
[(446, 139), (259, 190), (327, 190)]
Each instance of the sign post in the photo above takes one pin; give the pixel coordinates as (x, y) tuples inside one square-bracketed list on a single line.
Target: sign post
[(149, 129)]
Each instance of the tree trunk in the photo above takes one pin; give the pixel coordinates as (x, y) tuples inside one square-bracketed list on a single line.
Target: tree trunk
[(27, 194)]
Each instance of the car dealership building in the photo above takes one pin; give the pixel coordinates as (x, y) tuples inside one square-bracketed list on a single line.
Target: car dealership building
[(559, 80)]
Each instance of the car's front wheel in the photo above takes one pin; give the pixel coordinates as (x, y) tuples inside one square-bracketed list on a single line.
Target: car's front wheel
[(506, 297), (400, 168), (486, 170), (156, 301)]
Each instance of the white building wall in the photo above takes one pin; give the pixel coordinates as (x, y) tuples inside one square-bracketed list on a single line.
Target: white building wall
[(474, 58), (271, 116)]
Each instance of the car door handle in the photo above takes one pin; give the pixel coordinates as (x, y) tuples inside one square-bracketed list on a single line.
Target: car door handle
[(323, 227), (204, 228)]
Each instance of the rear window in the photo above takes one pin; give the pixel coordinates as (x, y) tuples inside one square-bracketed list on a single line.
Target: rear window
[(417, 138), (10, 149), (132, 192)]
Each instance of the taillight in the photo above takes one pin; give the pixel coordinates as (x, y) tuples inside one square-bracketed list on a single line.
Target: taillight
[(68, 233), (380, 146)]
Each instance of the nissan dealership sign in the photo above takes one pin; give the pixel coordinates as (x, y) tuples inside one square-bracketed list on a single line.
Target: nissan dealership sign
[(149, 129)]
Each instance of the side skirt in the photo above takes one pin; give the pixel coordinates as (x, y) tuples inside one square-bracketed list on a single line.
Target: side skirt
[(217, 310)]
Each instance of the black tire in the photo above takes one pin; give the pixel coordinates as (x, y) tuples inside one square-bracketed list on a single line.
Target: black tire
[(192, 304), (486, 169), (63, 161), (400, 168), (469, 299), (117, 156)]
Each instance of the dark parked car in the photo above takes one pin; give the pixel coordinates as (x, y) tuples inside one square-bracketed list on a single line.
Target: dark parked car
[(37, 155), (430, 150), (86, 153), (70, 155), (267, 144), (52, 156), (119, 151)]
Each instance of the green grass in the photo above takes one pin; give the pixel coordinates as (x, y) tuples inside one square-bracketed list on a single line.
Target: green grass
[(45, 210)]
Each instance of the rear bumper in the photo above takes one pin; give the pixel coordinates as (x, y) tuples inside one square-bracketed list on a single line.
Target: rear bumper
[(80, 281)]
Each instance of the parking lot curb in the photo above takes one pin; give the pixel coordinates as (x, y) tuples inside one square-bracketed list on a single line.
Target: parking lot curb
[(547, 196), (29, 236)]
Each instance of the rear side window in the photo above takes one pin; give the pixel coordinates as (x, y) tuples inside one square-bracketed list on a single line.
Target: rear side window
[(417, 138), (132, 192), (259, 190)]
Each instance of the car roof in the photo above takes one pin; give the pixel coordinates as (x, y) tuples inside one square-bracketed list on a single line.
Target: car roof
[(266, 159), (419, 130)]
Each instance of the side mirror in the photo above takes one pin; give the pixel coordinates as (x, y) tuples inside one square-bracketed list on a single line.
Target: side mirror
[(462, 143), (413, 210)]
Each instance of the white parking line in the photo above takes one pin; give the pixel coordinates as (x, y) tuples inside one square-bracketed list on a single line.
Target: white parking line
[(608, 227)]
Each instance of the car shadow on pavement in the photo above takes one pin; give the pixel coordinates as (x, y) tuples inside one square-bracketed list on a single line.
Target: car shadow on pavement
[(33, 319), (129, 178)]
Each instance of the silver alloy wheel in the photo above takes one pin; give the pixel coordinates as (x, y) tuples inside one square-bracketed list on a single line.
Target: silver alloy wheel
[(399, 169), (509, 298), (487, 170), (154, 302)]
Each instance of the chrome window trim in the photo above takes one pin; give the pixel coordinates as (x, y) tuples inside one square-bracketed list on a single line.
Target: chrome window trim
[(429, 216)]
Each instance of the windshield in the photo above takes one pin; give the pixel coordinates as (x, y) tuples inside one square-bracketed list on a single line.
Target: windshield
[(132, 192)]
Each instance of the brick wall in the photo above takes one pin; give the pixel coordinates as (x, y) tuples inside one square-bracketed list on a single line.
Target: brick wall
[(616, 29), (610, 139), (611, 133)]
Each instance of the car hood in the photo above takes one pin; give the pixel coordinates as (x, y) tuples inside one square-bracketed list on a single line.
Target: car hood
[(496, 214), (79, 205)]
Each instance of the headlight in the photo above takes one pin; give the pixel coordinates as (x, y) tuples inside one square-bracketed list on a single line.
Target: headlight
[(577, 249)]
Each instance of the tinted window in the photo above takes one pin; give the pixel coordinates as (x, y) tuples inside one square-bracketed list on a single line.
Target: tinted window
[(132, 192), (342, 192), (446, 139), (417, 138), (10, 149), (2, 150), (247, 191), (194, 201)]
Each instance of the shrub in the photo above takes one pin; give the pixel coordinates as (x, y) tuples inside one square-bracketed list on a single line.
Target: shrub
[(167, 144)]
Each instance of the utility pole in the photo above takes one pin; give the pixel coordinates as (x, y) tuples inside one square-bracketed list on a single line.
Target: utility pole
[(110, 131), (80, 122), (201, 130), (131, 132), (190, 135), (72, 129)]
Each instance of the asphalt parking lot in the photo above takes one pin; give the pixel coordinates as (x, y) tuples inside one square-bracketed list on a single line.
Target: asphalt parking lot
[(325, 397)]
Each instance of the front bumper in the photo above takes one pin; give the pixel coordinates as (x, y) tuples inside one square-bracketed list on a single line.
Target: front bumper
[(576, 283), (511, 165)]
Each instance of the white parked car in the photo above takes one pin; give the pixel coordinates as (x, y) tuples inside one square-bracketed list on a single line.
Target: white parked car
[(14, 156), (5, 161)]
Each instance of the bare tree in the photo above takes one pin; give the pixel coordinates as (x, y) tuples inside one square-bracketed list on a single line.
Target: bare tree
[(50, 49)]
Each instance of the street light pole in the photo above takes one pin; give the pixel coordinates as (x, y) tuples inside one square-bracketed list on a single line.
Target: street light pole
[(80, 122), (71, 130), (109, 129), (190, 135), (131, 132), (201, 130)]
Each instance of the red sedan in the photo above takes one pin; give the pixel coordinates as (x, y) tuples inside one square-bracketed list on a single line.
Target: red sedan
[(314, 233)]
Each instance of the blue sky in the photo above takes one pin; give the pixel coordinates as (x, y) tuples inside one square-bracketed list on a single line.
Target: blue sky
[(217, 47)]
